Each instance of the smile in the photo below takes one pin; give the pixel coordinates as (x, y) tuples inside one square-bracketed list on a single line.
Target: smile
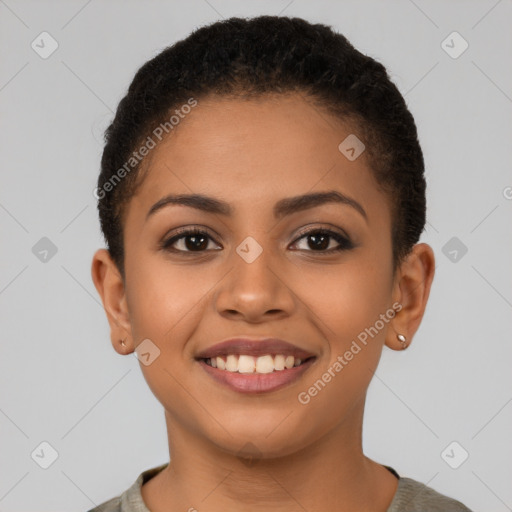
[(243, 363), (248, 374)]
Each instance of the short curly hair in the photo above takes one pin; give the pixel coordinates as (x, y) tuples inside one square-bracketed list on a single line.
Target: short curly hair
[(248, 58)]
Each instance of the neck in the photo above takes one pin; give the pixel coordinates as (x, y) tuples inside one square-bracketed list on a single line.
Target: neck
[(330, 474)]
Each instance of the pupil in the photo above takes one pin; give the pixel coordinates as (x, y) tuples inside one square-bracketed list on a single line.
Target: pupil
[(324, 239), (194, 244)]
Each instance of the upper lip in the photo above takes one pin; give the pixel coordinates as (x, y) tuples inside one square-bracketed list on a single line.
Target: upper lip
[(254, 347)]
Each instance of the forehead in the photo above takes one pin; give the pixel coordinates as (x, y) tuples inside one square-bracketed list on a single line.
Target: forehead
[(248, 152)]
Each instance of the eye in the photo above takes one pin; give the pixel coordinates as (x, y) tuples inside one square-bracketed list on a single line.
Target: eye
[(197, 240), (320, 240), (194, 240)]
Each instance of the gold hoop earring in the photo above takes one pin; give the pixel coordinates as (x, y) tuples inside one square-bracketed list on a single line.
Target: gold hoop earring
[(402, 340)]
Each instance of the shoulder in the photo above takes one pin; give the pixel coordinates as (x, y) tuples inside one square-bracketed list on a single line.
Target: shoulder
[(413, 496), (113, 505), (131, 499)]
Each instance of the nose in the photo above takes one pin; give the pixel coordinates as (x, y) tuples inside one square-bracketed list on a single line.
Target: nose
[(255, 291)]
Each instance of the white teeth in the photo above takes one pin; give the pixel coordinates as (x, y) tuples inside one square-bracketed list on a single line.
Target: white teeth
[(279, 362), (265, 364), (246, 364), (232, 363), (249, 364), (288, 362)]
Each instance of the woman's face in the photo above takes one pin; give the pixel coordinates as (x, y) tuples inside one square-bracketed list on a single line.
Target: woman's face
[(258, 275)]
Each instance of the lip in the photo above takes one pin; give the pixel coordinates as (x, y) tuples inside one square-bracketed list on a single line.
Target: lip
[(252, 383), (256, 382), (254, 347)]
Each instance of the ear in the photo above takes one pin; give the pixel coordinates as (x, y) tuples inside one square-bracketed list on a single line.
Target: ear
[(110, 285), (411, 289)]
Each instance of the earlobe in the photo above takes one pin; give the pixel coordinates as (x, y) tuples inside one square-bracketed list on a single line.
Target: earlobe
[(110, 287), (412, 289)]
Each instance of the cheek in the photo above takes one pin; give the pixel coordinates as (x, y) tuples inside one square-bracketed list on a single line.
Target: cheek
[(162, 299), (349, 308), (351, 298), (165, 306), (350, 305)]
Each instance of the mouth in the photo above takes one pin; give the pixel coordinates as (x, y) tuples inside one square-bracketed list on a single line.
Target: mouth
[(250, 366), (261, 365)]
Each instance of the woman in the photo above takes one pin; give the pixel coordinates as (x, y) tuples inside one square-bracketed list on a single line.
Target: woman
[(262, 194)]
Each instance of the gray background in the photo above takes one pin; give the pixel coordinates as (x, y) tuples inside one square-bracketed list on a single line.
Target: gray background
[(60, 379)]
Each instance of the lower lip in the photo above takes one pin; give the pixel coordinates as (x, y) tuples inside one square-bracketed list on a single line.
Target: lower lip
[(257, 382)]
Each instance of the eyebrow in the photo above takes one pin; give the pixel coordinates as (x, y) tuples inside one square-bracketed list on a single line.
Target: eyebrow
[(282, 208)]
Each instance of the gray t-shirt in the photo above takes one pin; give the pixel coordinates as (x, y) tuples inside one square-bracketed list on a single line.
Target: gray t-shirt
[(410, 496)]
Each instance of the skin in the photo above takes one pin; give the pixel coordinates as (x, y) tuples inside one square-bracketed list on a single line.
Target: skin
[(252, 154)]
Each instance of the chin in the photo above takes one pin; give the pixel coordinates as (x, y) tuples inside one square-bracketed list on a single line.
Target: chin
[(256, 441)]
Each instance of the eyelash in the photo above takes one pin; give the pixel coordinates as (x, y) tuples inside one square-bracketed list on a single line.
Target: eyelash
[(344, 243)]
